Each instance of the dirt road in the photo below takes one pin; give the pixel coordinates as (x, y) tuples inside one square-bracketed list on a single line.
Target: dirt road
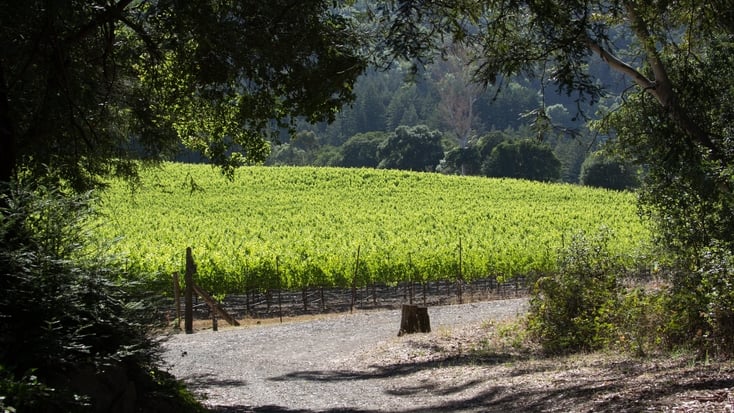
[(320, 365)]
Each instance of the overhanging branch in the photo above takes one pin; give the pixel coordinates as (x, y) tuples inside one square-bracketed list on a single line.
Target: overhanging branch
[(662, 90), (620, 66), (109, 15)]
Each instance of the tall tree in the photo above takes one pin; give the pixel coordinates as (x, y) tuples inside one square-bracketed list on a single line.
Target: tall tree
[(458, 95), (87, 86), (556, 39), (675, 118), (503, 108)]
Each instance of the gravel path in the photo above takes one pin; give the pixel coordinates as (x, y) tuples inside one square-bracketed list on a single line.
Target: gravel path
[(315, 366)]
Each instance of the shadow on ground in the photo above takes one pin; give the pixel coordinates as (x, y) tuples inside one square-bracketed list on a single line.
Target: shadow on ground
[(577, 384), (394, 370), (204, 381)]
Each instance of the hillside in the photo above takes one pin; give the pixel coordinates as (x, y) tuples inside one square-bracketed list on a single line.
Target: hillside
[(296, 227)]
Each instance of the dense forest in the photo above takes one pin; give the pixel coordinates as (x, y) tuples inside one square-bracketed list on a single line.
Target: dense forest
[(468, 121)]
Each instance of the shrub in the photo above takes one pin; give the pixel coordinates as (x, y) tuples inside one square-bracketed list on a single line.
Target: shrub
[(72, 337), (574, 310), (642, 320), (696, 309), (716, 271)]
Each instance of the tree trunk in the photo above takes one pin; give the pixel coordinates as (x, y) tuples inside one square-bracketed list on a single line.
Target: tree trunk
[(661, 87), (414, 320)]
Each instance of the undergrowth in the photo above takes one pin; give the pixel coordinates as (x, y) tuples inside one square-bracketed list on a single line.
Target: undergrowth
[(73, 335), (594, 303)]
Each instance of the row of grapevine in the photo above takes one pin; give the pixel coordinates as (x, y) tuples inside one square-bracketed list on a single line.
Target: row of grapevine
[(299, 227)]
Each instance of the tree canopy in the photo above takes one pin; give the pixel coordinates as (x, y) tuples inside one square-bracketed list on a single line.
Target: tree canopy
[(361, 150), (555, 41), (523, 159), (416, 148), (609, 172), (87, 86)]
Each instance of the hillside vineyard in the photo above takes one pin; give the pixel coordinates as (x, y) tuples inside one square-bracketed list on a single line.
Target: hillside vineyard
[(299, 227)]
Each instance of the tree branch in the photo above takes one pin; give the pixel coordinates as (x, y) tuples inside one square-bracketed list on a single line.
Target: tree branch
[(663, 90), (618, 65), (660, 87), (109, 15), (149, 43)]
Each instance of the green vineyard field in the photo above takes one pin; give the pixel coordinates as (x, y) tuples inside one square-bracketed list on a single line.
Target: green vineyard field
[(299, 227)]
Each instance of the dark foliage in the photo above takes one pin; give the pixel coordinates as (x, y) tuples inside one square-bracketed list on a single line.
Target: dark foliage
[(523, 159), (66, 321), (89, 87), (462, 161), (415, 148), (608, 172), (361, 150)]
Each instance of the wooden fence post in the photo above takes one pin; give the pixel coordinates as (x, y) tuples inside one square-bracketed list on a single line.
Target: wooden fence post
[(460, 277), (280, 290), (354, 281), (214, 305), (189, 293)]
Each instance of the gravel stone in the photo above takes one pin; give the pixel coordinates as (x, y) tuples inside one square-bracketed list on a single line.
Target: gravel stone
[(324, 365)]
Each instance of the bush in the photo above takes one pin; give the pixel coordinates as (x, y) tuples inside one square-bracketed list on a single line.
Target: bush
[(642, 320), (715, 299), (696, 309), (73, 338), (586, 307), (574, 310)]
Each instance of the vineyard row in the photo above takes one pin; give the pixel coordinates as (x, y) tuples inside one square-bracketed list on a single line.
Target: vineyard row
[(296, 228)]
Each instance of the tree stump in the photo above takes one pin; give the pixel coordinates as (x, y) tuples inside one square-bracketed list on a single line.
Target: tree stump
[(414, 320)]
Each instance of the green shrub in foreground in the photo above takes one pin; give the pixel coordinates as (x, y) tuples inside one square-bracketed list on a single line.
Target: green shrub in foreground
[(642, 317), (574, 310), (73, 339), (717, 274), (701, 302), (586, 307)]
